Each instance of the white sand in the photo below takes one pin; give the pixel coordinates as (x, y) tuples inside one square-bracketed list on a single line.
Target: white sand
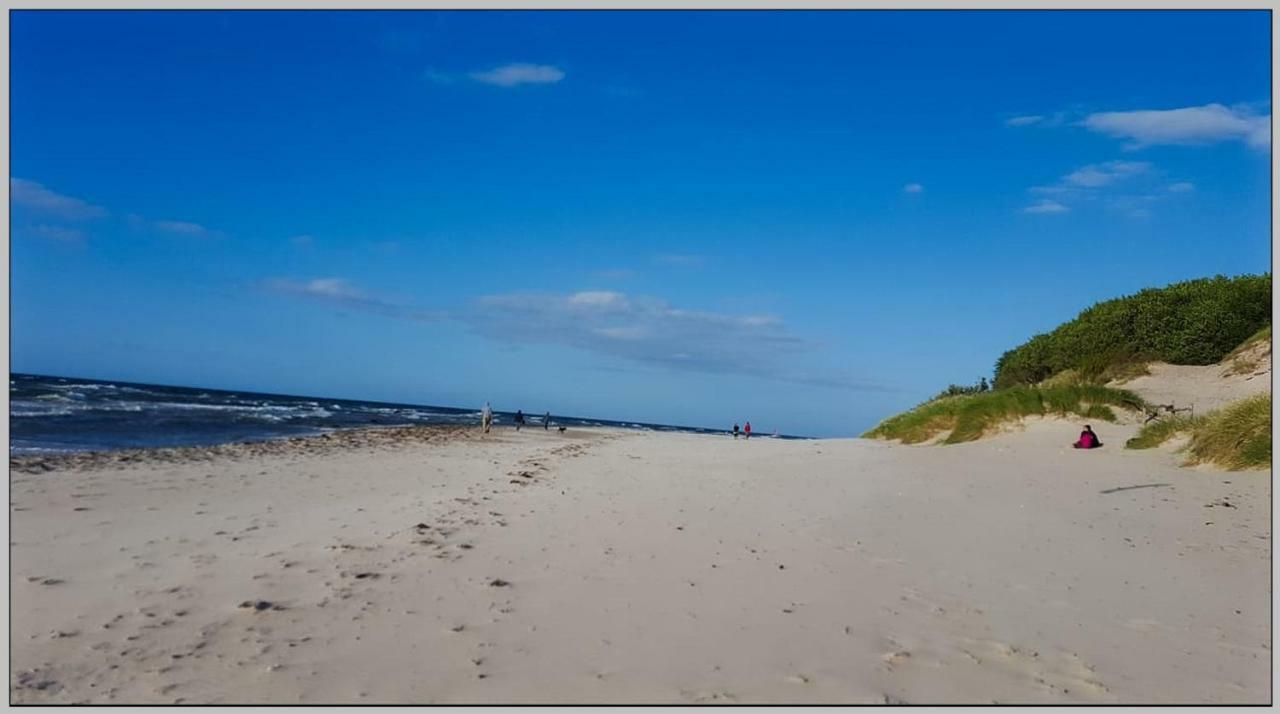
[(646, 568), (1205, 388)]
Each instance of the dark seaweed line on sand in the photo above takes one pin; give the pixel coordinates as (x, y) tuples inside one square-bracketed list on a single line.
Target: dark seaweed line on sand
[(376, 437)]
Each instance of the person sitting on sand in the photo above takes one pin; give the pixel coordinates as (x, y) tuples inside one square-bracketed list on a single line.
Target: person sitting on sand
[(735, 430), (1088, 439), (486, 417), (519, 419)]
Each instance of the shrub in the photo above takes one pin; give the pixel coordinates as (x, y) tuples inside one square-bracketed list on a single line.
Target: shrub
[(956, 390), (1194, 322), (1236, 437), (968, 417)]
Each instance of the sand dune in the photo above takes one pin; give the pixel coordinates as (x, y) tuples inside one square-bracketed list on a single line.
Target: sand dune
[(1208, 387), (610, 566)]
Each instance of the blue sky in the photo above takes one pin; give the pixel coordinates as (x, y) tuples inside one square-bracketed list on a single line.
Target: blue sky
[(808, 220)]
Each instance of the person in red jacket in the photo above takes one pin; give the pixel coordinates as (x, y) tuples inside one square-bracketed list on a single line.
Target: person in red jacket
[(746, 430), (1088, 439)]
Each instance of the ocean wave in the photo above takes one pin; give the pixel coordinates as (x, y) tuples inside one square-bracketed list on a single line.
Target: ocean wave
[(80, 385), (135, 390), (274, 413), (53, 397), (39, 450), (61, 405), (20, 413)]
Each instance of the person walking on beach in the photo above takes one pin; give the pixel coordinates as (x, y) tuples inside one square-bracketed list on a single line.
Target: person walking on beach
[(519, 419), (546, 421), (735, 430), (486, 417), (746, 430)]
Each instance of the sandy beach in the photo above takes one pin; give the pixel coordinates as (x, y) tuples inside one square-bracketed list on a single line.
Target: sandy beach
[(440, 566)]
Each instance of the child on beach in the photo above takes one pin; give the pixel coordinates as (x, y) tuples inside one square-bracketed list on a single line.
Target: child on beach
[(746, 430), (519, 419), (486, 417)]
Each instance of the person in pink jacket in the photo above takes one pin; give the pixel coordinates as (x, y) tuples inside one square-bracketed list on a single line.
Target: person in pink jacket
[(1088, 439)]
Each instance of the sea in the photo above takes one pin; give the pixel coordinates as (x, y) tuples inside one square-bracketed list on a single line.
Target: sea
[(65, 414)]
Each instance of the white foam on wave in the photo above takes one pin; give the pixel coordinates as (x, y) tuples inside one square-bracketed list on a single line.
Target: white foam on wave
[(19, 413)]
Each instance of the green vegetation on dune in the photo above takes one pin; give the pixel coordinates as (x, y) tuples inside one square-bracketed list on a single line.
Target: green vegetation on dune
[(1156, 433), (1198, 322), (968, 417), (1194, 322), (958, 390), (1263, 335), (1235, 437)]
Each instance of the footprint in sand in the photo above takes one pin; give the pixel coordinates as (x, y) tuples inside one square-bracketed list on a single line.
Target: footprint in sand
[(705, 697), (895, 657), (260, 605), (799, 679)]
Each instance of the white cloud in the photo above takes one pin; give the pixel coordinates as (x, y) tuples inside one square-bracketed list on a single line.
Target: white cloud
[(35, 197), (1024, 120), (340, 292), (59, 234), (184, 228), (1086, 183), (512, 75), (1182, 187), (640, 330), (649, 331), (175, 228), (760, 320), (336, 288), (1096, 175), (1046, 206), (1189, 126), (913, 188), (598, 299)]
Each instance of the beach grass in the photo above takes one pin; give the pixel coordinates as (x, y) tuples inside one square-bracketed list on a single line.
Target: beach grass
[(968, 418), (1235, 437), (1244, 359), (1156, 433)]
